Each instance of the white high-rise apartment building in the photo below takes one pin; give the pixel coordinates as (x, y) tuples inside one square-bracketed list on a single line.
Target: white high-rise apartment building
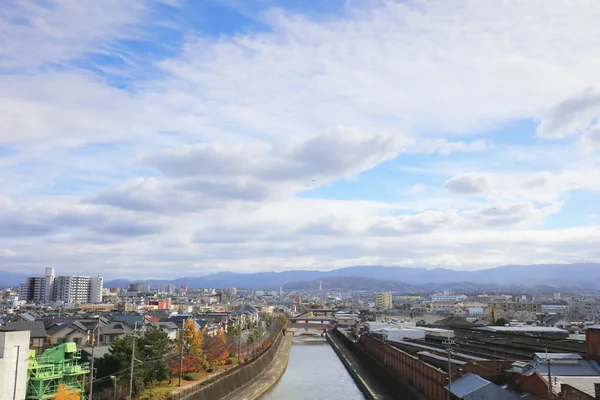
[(383, 300), (70, 289), (96, 286), (78, 289)]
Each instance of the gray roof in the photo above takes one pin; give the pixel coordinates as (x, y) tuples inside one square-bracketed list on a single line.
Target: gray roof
[(113, 328), (36, 328), (474, 387), (27, 317), (167, 325), (129, 319), (578, 368), (57, 328), (467, 384)]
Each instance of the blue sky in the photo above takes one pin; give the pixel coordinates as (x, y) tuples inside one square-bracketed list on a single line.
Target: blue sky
[(202, 136)]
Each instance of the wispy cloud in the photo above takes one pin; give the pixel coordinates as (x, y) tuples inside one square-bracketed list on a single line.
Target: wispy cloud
[(199, 148)]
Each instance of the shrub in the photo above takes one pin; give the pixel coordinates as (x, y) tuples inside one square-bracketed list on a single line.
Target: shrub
[(232, 360), (191, 376)]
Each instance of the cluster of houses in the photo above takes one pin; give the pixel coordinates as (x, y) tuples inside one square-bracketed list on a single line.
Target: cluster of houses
[(47, 329)]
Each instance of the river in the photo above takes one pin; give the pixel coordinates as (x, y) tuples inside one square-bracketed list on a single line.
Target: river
[(314, 371)]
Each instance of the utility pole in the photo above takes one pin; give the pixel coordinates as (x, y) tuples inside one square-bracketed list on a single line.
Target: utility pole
[(182, 343), (239, 345), (449, 342), (114, 380), (96, 331), (550, 393), (132, 361)]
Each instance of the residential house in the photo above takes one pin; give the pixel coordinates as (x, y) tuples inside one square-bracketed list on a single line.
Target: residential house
[(111, 331), (169, 328), (63, 333), (37, 333)]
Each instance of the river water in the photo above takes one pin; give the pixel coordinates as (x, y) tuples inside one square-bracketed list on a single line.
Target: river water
[(314, 371)]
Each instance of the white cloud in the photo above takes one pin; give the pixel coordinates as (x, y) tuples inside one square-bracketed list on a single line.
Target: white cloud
[(571, 117), (237, 126), (445, 147), (469, 184), (7, 253)]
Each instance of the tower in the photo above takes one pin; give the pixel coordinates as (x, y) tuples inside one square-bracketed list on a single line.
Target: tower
[(320, 285), (48, 284)]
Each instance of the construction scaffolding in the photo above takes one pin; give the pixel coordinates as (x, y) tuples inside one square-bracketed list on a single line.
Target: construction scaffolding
[(60, 364)]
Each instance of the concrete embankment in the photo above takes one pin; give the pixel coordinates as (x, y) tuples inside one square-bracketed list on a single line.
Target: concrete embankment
[(368, 384), (263, 382)]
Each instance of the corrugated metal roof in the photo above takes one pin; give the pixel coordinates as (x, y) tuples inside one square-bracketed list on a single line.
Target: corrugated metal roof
[(521, 329), (466, 384)]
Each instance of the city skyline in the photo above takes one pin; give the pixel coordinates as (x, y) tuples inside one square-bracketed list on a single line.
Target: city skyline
[(171, 136)]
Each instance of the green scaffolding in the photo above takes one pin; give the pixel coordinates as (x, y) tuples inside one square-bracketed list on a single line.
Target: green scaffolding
[(60, 364)]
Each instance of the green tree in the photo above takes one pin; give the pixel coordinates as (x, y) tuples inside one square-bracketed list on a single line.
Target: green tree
[(233, 331), (268, 318), (283, 320), (153, 347)]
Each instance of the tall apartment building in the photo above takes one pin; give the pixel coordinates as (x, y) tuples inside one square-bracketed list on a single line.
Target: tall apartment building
[(70, 289), (168, 288), (383, 300), (33, 290), (78, 289)]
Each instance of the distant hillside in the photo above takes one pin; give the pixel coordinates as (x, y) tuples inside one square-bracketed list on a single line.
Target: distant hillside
[(353, 283), (585, 276), (8, 279)]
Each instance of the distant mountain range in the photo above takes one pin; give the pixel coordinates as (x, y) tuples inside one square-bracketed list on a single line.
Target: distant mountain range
[(11, 279), (585, 276), (353, 283), (549, 276)]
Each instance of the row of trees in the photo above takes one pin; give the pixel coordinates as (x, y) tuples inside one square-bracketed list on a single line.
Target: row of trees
[(156, 360)]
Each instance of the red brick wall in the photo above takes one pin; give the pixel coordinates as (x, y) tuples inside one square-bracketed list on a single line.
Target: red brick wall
[(570, 393), (592, 344), (426, 379), (492, 370), (534, 385)]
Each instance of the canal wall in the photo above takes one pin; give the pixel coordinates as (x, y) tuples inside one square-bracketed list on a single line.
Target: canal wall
[(269, 377), (232, 380), (374, 379), (408, 369)]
